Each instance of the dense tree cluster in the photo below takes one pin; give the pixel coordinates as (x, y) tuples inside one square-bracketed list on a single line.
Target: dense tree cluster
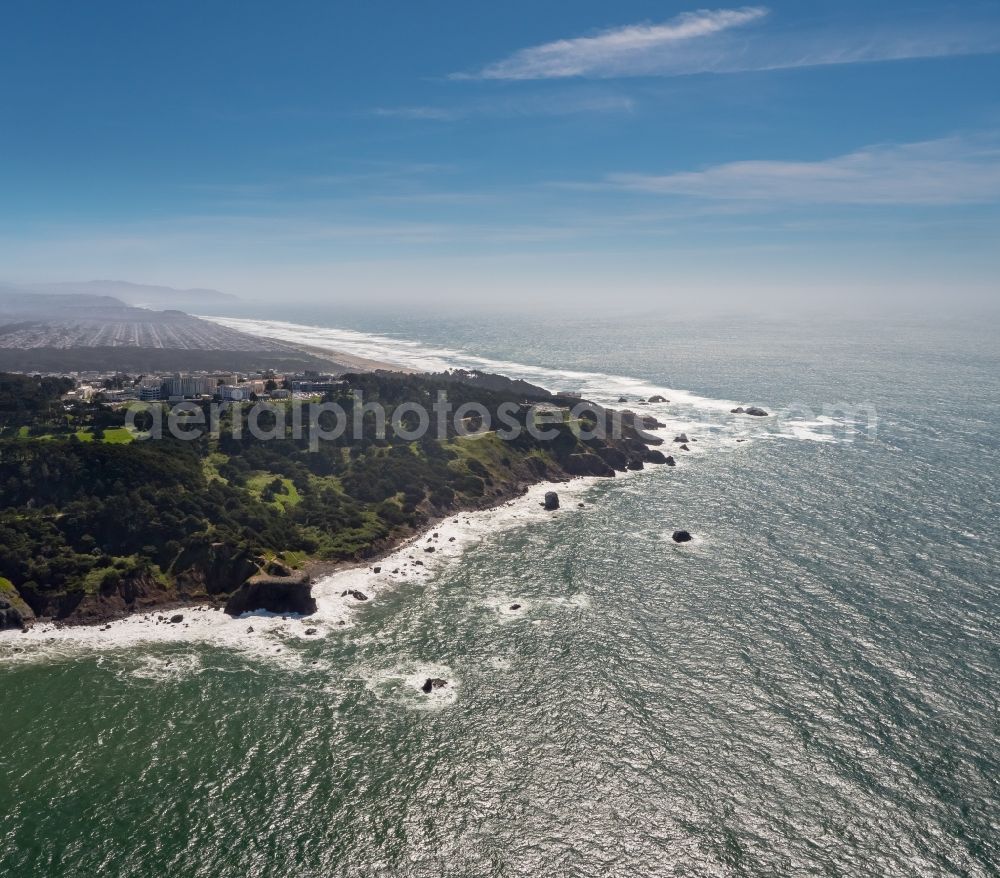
[(85, 515)]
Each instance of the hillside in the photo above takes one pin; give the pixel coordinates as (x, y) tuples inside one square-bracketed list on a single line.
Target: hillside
[(93, 525), (144, 295)]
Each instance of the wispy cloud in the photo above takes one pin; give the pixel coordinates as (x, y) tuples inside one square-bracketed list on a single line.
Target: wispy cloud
[(511, 107), (611, 51), (954, 170), (724, 41)]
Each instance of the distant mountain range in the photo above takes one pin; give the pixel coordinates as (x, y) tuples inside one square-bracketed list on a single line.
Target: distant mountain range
[(140, 295)]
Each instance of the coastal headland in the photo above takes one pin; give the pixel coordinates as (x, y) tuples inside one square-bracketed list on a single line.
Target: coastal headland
[(97, 524)]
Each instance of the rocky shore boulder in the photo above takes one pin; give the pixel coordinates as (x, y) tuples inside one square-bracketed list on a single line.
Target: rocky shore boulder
[(654, 455), (551, 500), (275, 594), (756, 412), (681, 536), (10, 616), (587, 465), (613, 457), (657, 398)]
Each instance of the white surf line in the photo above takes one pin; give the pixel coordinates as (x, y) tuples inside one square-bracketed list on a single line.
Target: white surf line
[(278, 639), (425, 358), (683, 409)]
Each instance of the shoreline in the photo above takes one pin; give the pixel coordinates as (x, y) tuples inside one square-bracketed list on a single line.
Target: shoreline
[(316, 569), (264, 634), (353, 362)]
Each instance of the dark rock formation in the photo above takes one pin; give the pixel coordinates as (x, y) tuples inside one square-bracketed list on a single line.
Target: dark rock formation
[(354, 593), (613, 457), (176, 619), (650, 423), (551, 500), (657, 398), (11, 616), (277, 568), (428, 548), (622, 399), (739, 410), (636, 464), (214, 568), (587, 464), (115, 597), (276, 594), (756, 412), (681, 536), (683, 437), (432, 683), (685, 448), (654, 455), (515, 606), (669, 460)]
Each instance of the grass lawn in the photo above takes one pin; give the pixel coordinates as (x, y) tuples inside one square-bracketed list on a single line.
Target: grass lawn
[(282, 499)]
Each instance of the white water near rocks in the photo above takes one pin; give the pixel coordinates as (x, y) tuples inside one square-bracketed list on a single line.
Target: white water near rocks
[(808, 688)]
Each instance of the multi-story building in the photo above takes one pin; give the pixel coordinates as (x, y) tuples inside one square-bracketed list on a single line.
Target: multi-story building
[(233, 392)]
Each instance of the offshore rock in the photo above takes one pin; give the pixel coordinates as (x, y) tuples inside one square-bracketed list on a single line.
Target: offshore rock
[(681, 536), (432, 683), (551, 500)]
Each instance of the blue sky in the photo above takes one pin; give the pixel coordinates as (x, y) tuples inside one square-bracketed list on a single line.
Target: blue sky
[(625, 153)]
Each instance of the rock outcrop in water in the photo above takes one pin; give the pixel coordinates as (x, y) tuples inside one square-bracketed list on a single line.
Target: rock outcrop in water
[(754, 411), (432, 683), (681, 536), (551, 501)]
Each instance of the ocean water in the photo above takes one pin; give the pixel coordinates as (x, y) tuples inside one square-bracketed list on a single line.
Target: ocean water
[(809, 688)]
